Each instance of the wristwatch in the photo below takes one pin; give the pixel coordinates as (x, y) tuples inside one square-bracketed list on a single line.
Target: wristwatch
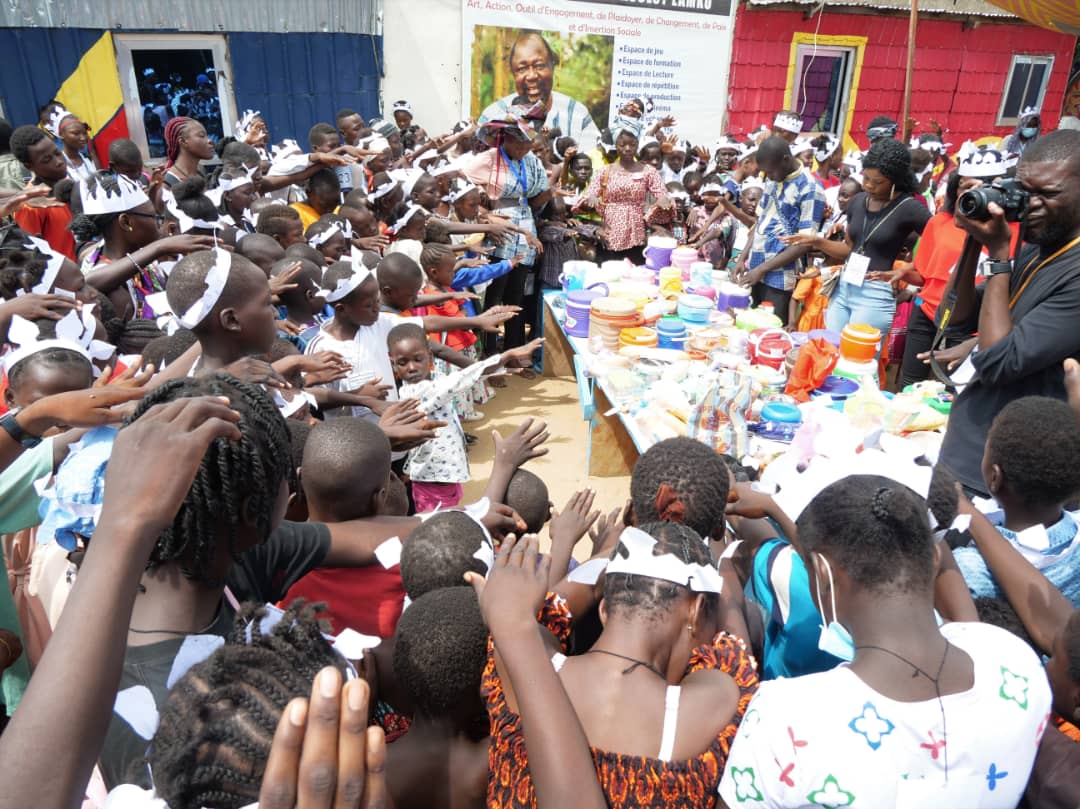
[(15, 430), (997, 267)]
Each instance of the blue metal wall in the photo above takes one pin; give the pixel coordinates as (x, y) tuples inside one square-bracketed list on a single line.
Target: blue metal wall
[(295, 79)]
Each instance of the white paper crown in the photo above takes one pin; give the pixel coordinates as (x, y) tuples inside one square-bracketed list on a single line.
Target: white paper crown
[(801, 145), (831, 144), (346, 286), (52, 268), (444, 167), (74, 331), (410, 212), (216, 279), (635, 556), (97, 200), (711, 188), (378, 145), (752, 182), (185, 222), (789, 123), (1028, 112), (242, 128), (230, 183), (747, 149), (382, 190), (57, 117), (986, 163), (854, 159), (320, 239), (929, 145), (403, 106), (408, 178), (461, 190), (727, 143)]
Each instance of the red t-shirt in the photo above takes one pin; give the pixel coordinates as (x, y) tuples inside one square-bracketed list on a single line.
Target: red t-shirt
[(366, 599), (459, 338), (49, 224)]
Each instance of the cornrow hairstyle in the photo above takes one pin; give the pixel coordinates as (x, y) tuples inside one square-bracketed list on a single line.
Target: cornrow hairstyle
[(440, 651), (434, 254), (72, 364), (1036, 441), (439, 552), (873, 528), (165, 350), (237, 483), (23, 139), (276, 220), (680, 475), (528, 495), (217, 724), (649, 597), (20, 270), (893, 160)]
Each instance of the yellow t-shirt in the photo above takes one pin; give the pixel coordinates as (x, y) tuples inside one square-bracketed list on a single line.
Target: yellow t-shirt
[(307, 213)]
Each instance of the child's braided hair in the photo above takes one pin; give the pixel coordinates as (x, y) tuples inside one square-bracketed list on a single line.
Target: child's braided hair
[(237, 482), (214, 735)]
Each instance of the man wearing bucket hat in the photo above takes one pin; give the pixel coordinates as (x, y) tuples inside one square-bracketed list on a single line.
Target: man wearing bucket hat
[(532, 64)]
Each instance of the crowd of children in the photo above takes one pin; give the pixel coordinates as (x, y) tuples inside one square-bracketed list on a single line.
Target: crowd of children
[(235, 414)]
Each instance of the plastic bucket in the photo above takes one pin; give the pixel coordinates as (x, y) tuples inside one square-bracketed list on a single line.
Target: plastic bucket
[(670, 332), (859, 342), (658, 251), (732, 296), (573, 274), (640, 336), (695, 308), (578, 306)]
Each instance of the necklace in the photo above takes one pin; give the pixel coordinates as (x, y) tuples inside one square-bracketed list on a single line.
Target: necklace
[(179, 632), (936, 680), (633, 660)]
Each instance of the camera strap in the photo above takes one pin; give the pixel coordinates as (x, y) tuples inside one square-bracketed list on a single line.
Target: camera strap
[(948, 304)]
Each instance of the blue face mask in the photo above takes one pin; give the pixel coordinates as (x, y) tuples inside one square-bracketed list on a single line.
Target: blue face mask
[(1029, 131), (834, 638)]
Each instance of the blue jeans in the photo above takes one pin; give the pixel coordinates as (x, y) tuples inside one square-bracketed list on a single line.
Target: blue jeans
[(872, 303)]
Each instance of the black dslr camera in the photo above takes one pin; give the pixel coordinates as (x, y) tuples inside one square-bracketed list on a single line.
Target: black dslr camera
[(1005, 191)]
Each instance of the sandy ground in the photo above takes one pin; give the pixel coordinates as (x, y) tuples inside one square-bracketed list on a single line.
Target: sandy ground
[(555, 401)]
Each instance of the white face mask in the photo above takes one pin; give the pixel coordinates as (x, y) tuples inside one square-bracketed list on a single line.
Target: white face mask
[(834, 638)]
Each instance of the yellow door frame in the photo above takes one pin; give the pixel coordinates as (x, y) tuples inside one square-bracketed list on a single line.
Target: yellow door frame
[(807, 38)]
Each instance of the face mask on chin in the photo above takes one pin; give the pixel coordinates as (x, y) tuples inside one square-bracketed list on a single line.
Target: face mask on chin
[(834, 638)]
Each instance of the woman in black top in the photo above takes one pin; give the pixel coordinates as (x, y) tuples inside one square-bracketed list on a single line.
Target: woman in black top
[(880, 220)]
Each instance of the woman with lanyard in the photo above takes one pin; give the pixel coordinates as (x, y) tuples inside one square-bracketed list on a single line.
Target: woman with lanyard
[(517, 186), (619, 193), (880, 221), (922, 714)]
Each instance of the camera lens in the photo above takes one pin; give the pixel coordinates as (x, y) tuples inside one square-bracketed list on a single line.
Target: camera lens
[(973, 204)]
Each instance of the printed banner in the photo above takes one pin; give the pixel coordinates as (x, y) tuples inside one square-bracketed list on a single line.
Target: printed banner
[(585, 58)]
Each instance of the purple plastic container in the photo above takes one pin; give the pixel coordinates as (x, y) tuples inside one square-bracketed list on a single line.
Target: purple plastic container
[(578, 305), (838, 387), (799, 338), (826, 335)]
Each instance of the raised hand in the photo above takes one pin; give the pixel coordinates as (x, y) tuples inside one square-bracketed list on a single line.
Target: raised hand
[(373, 389), (257, 372), (522, 445), (514, 590), (36, 307), (407, 426), (283, 282), (576, 518), (606, 531), (324, 755)]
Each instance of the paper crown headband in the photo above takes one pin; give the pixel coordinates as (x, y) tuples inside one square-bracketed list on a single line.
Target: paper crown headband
[(461, 190), (406, 217), (986, 163), (883, 131), (52, 268), (231, 183), (98, 200), (444, 167), (1028, 112), (931, 145), (788, 123), (380, 191), (319, 239), (242, 128), (56, 120), (752, 182), (832, 143), (403, 106), (727, 144), (74, 331), (801, 145), (346, 286), (378, 145), (635, 555), (216, 279), (185, 222), (711, 188)]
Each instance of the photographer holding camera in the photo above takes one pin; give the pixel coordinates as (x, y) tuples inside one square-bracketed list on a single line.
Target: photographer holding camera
[(1027, 312)]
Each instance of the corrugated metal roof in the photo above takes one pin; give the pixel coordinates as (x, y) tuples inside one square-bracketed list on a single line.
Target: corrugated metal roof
[(962, 8), (273, 16)]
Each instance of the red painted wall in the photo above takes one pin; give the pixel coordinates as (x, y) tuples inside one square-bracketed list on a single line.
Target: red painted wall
[(958, 81)]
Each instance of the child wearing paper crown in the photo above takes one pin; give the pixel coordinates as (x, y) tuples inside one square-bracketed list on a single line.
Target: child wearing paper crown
[(439, 467)]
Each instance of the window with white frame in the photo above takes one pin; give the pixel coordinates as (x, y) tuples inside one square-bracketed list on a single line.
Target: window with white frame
[(822, 86), (163, 76), (1025, 87)]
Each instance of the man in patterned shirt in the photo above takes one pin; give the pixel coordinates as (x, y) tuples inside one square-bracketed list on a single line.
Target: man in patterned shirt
[(793, 202)]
